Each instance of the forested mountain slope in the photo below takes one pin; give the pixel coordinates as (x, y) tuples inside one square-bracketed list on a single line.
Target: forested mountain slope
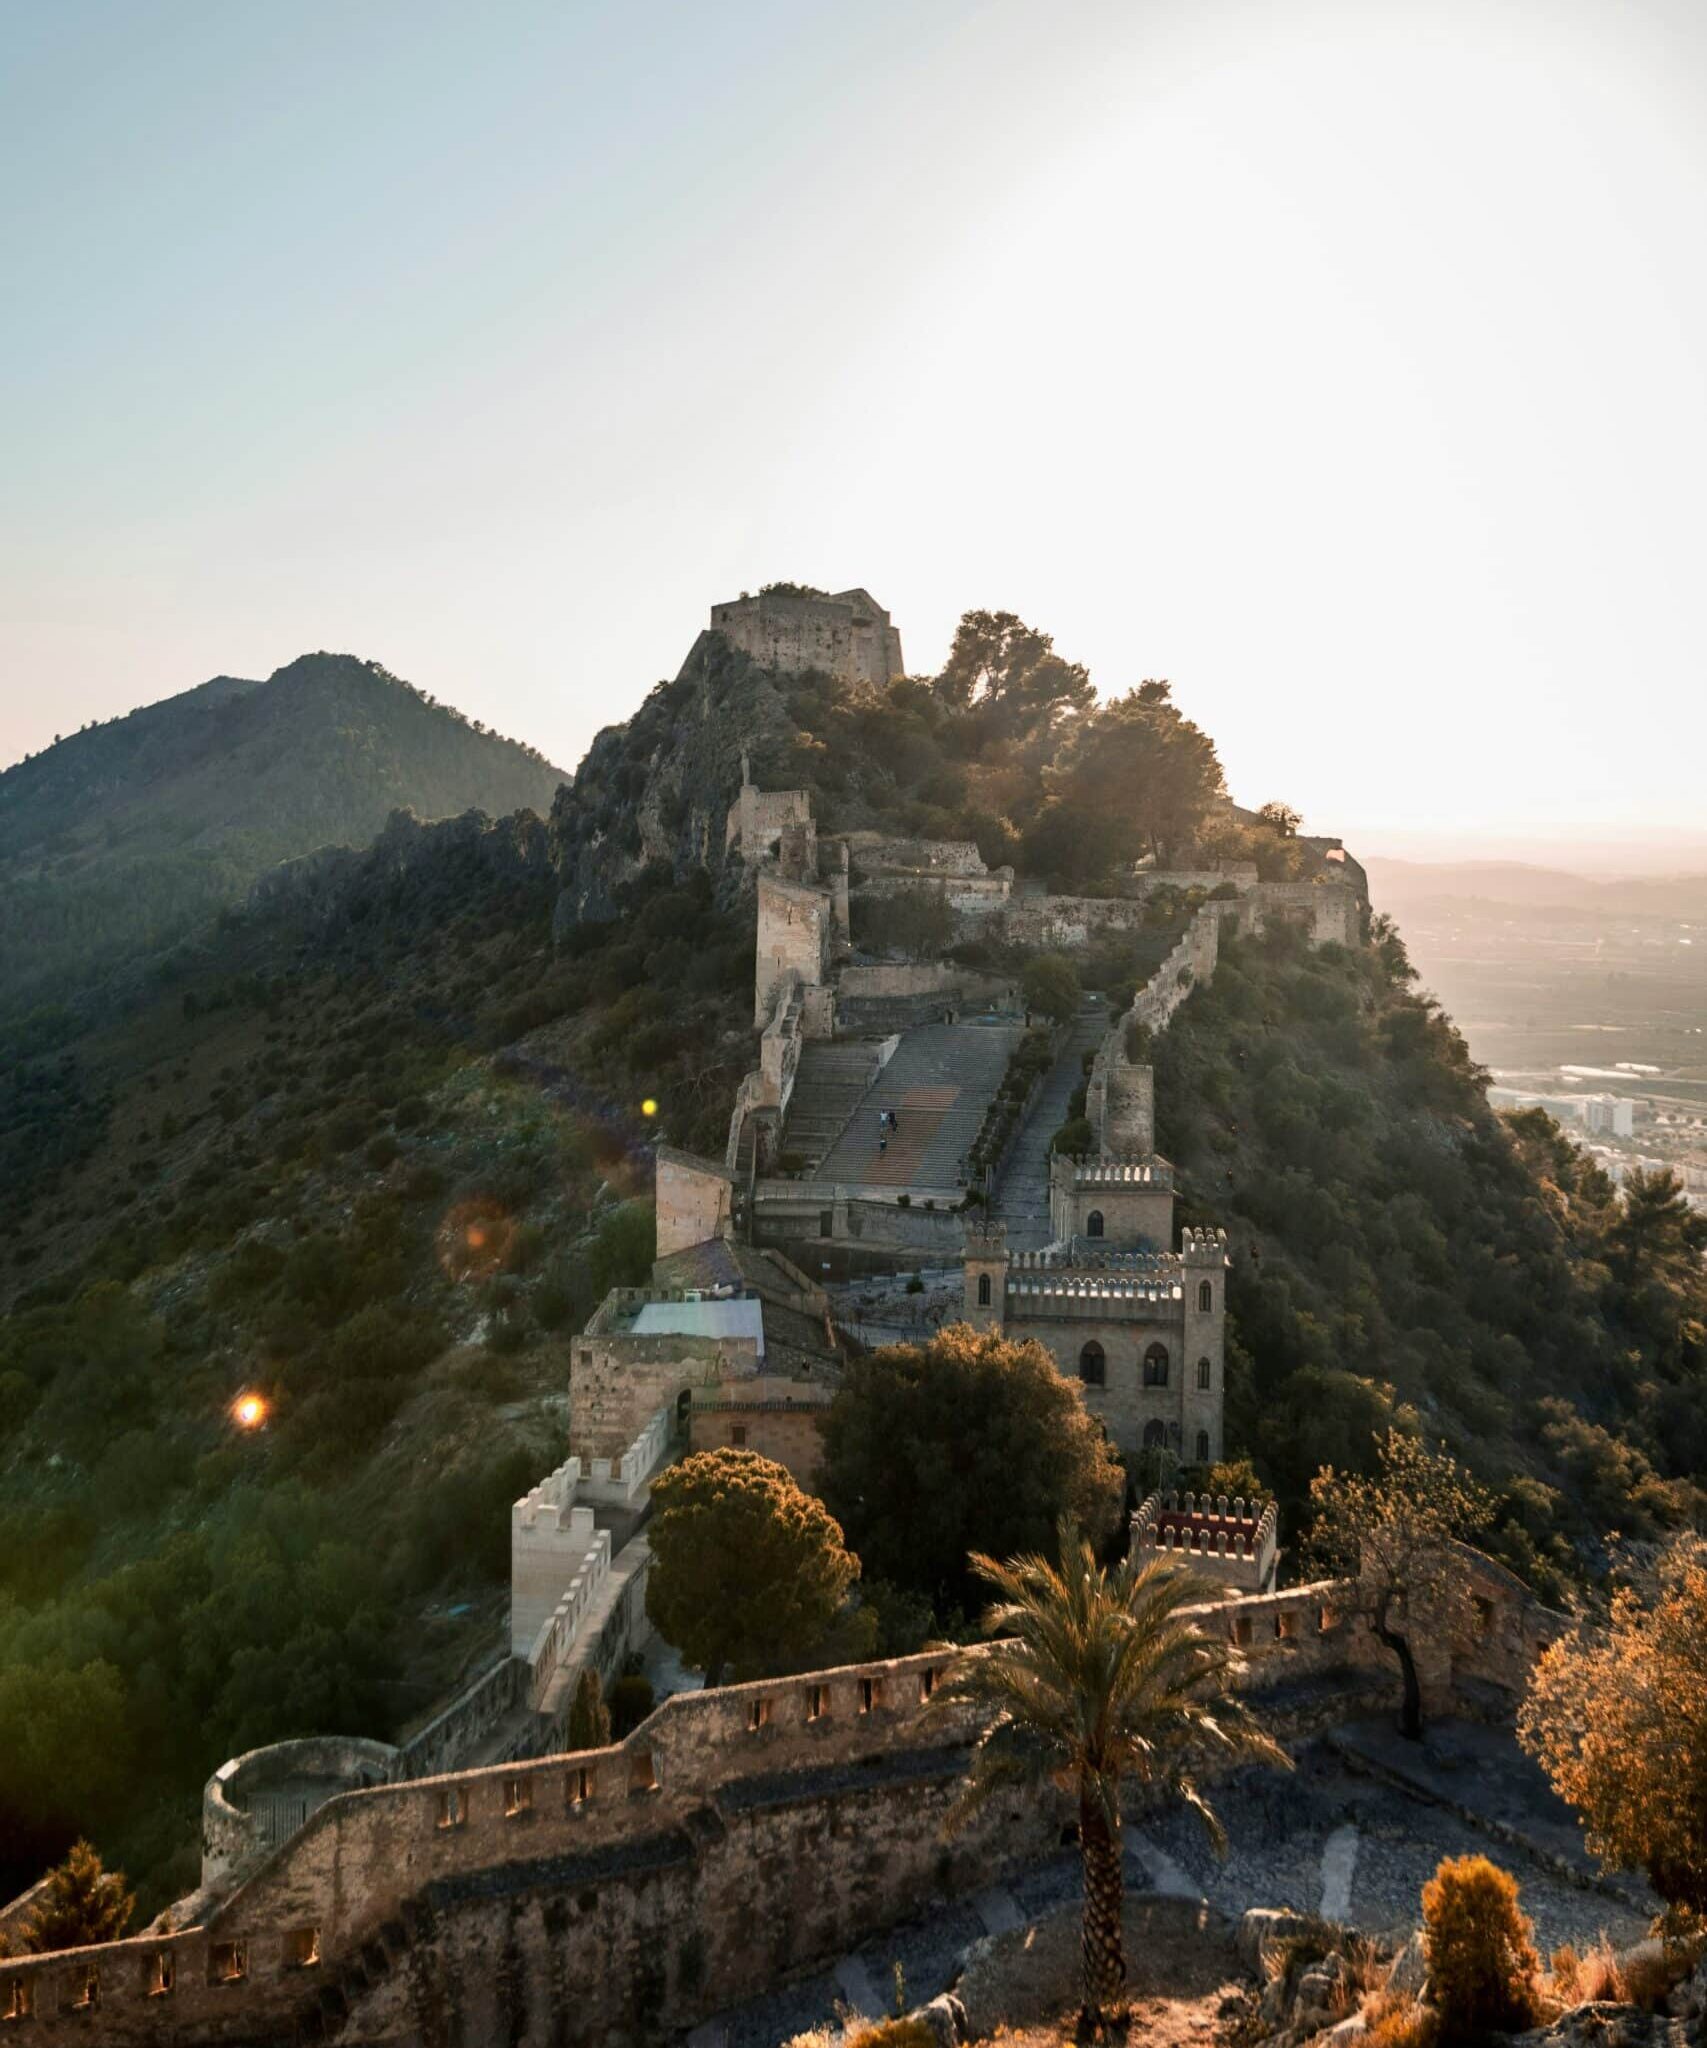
[(376, 1143), (121, 838)]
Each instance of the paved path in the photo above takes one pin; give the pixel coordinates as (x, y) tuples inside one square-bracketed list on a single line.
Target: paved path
[(939, 1083), (1022, 1200), (1164, 1873), (1339, 1866)]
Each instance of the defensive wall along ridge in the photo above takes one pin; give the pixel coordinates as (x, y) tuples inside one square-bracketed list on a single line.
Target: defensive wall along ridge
[(621, 1895), (469, 1883)]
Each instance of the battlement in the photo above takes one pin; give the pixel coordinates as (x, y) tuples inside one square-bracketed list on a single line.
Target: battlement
[(1077, 1259), (1088, 1171), (1203, 1247), (1231, 1542)]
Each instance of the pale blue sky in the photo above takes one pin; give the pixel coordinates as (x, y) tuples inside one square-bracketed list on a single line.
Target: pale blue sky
[(1342, 361)]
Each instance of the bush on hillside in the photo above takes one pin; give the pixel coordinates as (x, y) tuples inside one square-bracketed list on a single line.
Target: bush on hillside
[(1482, 1963)]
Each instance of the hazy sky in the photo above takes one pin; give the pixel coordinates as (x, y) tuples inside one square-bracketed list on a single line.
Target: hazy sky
[(1344, 362)]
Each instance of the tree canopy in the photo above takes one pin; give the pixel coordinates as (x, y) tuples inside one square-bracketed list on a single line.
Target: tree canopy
[(1617, 1716), (970, 1443), (748, 1572)]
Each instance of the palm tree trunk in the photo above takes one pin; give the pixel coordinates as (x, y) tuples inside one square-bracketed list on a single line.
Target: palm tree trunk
[(1102, 1941)]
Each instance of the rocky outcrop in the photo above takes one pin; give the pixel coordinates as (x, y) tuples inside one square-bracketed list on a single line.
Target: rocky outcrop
[(656, 792)]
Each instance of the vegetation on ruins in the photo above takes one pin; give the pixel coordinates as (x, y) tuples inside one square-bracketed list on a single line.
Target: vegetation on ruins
[(1097, 1678), (971, 1443), (1616, 1712), (1400, 1535), (81, 1903), (748, 1572), (1050, 984)]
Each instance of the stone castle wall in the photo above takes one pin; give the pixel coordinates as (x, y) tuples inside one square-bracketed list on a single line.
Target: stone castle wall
[(846, 635), (738, 1837), (795, 926)]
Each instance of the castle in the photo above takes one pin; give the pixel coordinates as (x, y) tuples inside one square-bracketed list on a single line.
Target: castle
[(476, 1882)]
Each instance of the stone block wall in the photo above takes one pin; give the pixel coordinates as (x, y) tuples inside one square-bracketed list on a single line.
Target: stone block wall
[(795, 924), (847, 635), (694, 1199), (618, 1381), (556, 1555)]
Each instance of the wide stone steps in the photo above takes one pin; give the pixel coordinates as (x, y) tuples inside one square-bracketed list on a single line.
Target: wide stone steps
[(829, 1084), (938, 1084), (1022, 1197)]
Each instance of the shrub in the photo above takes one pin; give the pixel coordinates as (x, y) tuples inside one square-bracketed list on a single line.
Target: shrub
[(1482, 1964)]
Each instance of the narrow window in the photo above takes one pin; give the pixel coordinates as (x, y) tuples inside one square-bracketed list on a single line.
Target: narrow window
[(302, 1948), (870, 1694), (83, 1989), (227, 1963), (1093, 1224), (817, 1702), (20, 1999), (1242, 1634), (1205, 1296), (518, 1797), (580, 1786), (737, 1434), (159, 1973), (1093, 1366), (1156, 1366), (1327, 1620), (1203, 1447), (983, 1290), (641, 1776), (758, 1715), (453, 1806), (1484, 1615), (927, 1684), (1285, 1627), (1205, 1373)]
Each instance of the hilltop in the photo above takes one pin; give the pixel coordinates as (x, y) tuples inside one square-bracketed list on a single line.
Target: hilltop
[(384, 1136), (122, 838)]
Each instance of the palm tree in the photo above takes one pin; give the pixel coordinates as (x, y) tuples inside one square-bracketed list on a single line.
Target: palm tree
[(1099, 1675)]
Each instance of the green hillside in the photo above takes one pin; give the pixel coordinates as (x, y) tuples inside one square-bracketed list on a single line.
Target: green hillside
[(119, 839), (372, 1146)]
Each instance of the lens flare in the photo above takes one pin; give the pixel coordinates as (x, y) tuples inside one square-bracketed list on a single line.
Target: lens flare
[(649, 1107), (249, 1411)]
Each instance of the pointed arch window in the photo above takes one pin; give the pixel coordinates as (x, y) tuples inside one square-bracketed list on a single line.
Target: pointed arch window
[(1093, 1365), (983, 1290), (1205, 1296), (1205, 1373), (1156, 1366), (1093, 1224)]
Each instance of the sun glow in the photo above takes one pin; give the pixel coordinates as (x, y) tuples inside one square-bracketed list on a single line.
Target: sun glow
[(249, 1411)]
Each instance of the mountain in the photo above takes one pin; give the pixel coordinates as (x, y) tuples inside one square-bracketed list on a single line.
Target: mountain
[(375, 1143), (119, 840), (1403, 884)]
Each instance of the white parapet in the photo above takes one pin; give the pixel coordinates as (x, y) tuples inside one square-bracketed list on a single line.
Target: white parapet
[(551, 1537), (620, 1482)]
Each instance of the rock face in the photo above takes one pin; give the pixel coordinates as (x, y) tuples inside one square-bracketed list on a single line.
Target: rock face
[(658, 789)]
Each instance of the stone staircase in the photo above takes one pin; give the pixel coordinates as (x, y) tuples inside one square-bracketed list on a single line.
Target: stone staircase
[(1022, 1198), (939, 1084), (831, 1081)]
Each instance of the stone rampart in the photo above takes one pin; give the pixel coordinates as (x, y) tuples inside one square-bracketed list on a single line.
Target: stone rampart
[(618, 1896), (557, 1558), (845, 634), (256, 1802)]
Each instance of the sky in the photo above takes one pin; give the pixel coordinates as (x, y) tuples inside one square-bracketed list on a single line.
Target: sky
[(1340, 361)]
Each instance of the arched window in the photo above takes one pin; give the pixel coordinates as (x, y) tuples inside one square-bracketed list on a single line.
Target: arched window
[(684, 1407), (1093, 1367), (983, 1290), (1156, 1366), (1205, 1296), (1093, 1224), (1154, 1436), (1203, 1447), (1204, 1375)]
